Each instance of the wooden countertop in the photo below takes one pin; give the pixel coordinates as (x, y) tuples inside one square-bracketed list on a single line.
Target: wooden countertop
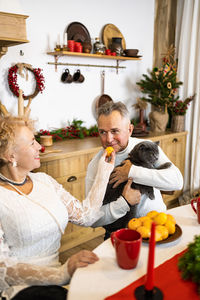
[(71, 147)]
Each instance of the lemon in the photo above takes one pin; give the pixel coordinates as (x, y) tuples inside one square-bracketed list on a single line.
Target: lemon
[(170, 225), (170, 217), (160, 218), (134, 223), (144, 231), (109, 151), (163, 230), (151, 214)]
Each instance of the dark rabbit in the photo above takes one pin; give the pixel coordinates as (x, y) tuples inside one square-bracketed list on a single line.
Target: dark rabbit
[(144, 154)]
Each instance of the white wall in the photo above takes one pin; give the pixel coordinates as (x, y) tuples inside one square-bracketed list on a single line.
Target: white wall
[(60, 103)]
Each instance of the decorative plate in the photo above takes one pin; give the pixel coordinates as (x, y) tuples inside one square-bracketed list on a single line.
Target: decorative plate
[(110, 31), (78, 32), (171, 238)]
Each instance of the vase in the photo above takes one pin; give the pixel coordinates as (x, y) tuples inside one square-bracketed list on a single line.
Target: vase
[(178, 123), (158, 120)]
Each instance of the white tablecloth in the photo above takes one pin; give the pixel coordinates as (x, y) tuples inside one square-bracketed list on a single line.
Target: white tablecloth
[(105, 278)]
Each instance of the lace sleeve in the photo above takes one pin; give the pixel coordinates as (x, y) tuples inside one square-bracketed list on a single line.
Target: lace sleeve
[(85, 213), (14, 273)]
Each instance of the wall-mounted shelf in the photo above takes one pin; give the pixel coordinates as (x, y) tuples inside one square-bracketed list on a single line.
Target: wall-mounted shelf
[(57, 54)]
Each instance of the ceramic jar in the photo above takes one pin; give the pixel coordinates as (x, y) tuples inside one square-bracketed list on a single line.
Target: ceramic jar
[(116, 46)]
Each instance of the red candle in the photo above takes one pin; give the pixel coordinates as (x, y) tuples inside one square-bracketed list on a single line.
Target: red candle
[(149, 285)]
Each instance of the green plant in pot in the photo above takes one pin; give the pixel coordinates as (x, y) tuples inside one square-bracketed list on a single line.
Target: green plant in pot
[(160, 87)]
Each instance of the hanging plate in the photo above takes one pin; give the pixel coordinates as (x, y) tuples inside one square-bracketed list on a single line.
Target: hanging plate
[(110, 31), (78, 32)]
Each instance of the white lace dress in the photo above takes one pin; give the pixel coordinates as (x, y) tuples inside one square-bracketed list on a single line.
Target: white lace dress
[(31, 227)]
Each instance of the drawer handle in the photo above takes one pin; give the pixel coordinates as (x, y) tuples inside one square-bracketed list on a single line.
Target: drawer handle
[(72, 178), (175, 140)]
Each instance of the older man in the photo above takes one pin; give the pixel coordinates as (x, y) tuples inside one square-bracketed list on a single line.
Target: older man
[(115, 130)]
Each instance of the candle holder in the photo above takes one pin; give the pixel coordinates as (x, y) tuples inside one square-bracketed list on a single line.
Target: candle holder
[(142, 294), (149, 291)]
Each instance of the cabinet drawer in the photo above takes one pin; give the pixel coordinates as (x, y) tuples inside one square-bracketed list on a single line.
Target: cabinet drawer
[(74, 184)]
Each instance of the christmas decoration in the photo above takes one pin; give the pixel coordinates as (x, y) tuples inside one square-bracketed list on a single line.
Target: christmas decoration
[(161, 84), (180, 107), (12, 79), (75, 130)]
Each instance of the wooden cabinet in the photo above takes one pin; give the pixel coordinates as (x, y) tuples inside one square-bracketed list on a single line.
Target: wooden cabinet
[(69, 167), (12, 30), (174, 145)]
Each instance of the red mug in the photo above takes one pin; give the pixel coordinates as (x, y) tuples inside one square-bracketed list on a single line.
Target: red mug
[(127, 244), (197, 208)]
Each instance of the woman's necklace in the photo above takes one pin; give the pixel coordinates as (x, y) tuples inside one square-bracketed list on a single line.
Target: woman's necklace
[(5, 179)]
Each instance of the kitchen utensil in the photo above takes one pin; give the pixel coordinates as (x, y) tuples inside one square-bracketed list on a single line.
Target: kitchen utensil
[(110, 31), (116, 46), (78, 77), (78, 32), (104, 97), (197, 208), (131, 52)]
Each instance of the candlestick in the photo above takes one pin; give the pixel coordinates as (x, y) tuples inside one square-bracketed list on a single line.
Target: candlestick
[(149, 291), (58, 39), (65, 39), (149, 285)]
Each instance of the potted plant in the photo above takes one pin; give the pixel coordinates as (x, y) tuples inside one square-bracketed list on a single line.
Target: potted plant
[(178, 111), (160, 87)]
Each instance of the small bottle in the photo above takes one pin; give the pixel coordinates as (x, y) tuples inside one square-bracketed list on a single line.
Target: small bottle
[(99, 48)]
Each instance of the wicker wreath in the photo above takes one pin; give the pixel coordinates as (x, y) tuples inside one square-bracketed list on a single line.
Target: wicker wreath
[(12, 79)]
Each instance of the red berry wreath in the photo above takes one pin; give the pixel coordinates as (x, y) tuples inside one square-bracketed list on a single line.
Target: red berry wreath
[(14, 87)]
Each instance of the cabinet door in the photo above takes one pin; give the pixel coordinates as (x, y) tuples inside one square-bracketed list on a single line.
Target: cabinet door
[(174, 148)]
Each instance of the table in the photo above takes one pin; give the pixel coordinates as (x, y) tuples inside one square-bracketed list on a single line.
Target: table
[(104, 278)]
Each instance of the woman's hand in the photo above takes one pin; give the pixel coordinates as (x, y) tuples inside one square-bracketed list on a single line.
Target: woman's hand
[(110, 159), (81, 259), (132, 196)]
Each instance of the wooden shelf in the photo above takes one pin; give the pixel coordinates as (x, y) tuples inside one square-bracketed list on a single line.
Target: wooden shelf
[(91, 55), (6, 42), (57, 54)]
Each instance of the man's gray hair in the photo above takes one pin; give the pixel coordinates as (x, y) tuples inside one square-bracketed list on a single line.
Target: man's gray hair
[(107, 108)]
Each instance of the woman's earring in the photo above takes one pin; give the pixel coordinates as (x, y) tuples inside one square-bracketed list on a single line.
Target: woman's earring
[(14, 164)]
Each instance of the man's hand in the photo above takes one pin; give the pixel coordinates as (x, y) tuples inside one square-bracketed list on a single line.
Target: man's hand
[(81, 259), (120, 173), (132, 196)]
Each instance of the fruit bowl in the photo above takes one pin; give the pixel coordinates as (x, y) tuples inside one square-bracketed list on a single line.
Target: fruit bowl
[(170, 238)]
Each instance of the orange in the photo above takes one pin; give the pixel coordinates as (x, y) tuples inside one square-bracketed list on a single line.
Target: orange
[(170, 225), (158, 235), (147, 223), (151, 214), (142, 219), (170, 217), (163, 230), (144, 231), (134, 223), (160, 218), (109, 151)]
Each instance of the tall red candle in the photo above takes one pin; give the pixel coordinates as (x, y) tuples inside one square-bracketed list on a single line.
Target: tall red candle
[(149, 285)]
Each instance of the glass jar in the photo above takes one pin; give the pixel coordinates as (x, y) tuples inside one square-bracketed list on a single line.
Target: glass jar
[(99, 48)]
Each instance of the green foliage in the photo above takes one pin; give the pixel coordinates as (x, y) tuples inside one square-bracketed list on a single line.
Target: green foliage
[(72, 131), (189, 262), (160, 86)]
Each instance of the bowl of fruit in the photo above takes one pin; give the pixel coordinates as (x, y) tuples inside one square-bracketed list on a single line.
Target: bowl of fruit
[(166, 230)]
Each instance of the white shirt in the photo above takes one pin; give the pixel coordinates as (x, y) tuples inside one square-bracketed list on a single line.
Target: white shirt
[(165, 179)]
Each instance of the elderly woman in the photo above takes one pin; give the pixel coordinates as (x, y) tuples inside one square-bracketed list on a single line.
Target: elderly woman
[(35, 210)]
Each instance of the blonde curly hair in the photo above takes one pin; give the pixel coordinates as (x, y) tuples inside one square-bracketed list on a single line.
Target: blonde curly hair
[(8, 126)]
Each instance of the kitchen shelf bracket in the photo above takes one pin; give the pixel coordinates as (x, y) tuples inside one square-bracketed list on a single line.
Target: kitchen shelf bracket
[(56, 63)]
